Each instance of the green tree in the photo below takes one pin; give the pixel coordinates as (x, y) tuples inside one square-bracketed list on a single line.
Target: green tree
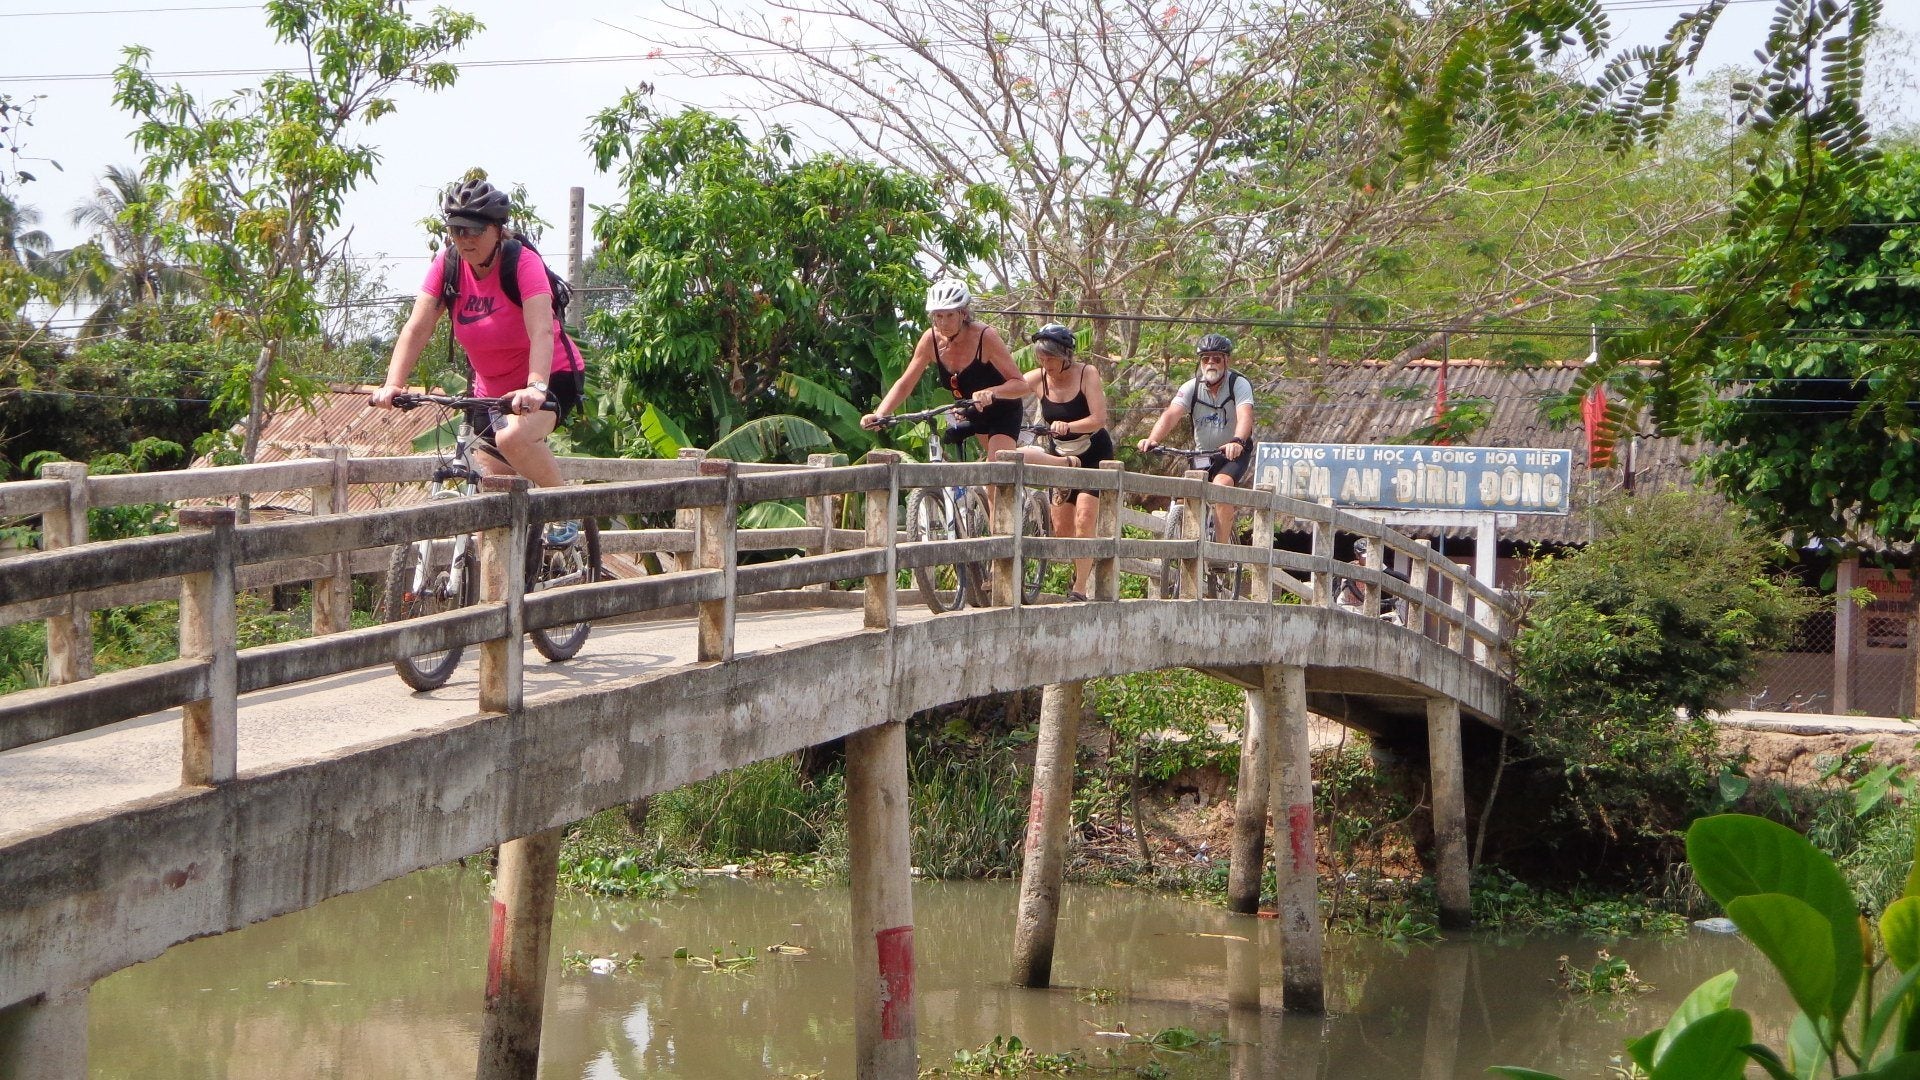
[(763, 283), (124, 264), (259, 177), (1664, 613)]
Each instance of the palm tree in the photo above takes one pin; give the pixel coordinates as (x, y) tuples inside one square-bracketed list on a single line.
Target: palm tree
[(128, 266), (20, 242)]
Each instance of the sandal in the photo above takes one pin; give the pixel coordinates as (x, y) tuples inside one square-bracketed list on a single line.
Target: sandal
[(1077, 597)]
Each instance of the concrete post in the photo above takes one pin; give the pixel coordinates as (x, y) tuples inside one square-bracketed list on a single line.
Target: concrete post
[(1263, 515), (1295, 863), (820, 515), (1376, 560), (1250, 799), (1193, 571), (45, 1038), (1440, 1053), (333, 594), (716, 550), (523, 888), (688, 520), (882, 600), (503, 579), (882, 903), (209, 739), (69, 636), (576, 254), (1007, 515), (1449, 812), (1106, 572), (1486, 552), (1844, 620), (1323, 553), (1043, 862), (1417, 577)]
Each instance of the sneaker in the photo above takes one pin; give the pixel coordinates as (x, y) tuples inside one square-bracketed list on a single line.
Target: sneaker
[(561, 533)]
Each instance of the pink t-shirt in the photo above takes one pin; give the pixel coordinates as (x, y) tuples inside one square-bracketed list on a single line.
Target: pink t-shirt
[(492, 330)]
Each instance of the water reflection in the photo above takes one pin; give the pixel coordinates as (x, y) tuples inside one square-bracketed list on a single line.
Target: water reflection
[(387, 985)]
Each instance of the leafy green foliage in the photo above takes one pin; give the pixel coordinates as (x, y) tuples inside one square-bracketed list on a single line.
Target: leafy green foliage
[(260, 178), (763, 283), (769, 806), (1788, 898), (1665, 611), (1608, 975)]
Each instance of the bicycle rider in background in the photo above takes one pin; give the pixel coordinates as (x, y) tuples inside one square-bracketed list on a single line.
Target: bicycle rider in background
[(990, 379), (1221, 401), (521, 356)]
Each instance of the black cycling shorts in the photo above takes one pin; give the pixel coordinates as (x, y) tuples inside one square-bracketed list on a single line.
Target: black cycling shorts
[(1099, 449), (565, 388), (1232, 469), (1000, 418)]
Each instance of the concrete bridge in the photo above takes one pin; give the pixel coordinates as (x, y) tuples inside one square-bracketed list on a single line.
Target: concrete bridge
[(143, 808)]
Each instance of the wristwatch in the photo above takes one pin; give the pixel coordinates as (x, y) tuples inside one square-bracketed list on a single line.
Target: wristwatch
[(535, 384)]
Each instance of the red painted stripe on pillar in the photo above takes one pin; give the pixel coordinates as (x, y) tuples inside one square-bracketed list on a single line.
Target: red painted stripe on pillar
[(496, 949), (1300, 836), (1036, 809), (896, 981)]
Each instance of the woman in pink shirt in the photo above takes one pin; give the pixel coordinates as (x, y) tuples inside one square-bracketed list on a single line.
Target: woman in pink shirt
[(520, 355)]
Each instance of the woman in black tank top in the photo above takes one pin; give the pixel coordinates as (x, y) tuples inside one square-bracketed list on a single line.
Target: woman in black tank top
[(972, 363), (1073, 403)]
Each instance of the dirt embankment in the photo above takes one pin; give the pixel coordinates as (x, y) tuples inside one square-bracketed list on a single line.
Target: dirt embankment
[(1796, 752)]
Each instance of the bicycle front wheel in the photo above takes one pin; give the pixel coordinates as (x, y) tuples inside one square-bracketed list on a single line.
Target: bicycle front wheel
[(411, 593), (576, 562), (1170, 568), (972, 519), (1033, 571), (943, 587)]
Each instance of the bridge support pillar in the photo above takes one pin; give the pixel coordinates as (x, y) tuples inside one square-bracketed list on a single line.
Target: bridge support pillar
[(881, 865), (523, 888), (1250, 799), (1449, 812), (1044, 861), (45, 1039), (1295, 863)]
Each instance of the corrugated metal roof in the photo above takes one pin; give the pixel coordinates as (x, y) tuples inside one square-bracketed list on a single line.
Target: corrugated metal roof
[(1371, 403)]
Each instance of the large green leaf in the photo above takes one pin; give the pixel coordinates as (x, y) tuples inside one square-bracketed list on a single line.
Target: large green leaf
[(1900, 931), (1714, 995), (662, 433), (769, 438), (1898, 1002), (772, 515), (1710, 1048), (843, 418), (1794, 937), (1736, 855), (1904, 1067)]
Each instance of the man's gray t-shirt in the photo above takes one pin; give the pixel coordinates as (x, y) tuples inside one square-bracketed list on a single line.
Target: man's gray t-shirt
[(1213, 410)]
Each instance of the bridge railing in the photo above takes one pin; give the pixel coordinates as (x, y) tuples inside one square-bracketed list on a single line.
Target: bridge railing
[(211, 558)]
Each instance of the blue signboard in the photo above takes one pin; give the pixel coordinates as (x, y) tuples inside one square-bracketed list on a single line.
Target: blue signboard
[(1485, 478)]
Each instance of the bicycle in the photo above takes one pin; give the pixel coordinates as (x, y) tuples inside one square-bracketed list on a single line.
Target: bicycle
[(959, 512), (1226, 581), (418, 583)]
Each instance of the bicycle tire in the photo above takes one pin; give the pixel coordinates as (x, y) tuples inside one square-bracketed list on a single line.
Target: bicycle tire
[(1170, 568), (974, 520), (943, 587), (1033, 571), (580, 558), (426, 671)]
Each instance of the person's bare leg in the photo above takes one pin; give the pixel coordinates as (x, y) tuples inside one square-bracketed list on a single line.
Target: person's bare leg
[(1086, 512), (1224, 517), (523, 442)]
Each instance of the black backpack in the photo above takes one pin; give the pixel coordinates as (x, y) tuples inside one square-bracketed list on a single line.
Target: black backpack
[(510, 285)]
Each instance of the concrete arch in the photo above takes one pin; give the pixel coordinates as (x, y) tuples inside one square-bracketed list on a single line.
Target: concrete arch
[(91, 895)]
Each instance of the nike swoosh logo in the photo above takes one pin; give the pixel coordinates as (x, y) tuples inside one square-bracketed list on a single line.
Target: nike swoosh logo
[(466, 320)]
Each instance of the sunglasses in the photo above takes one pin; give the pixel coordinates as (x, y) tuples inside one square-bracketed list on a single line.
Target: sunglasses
[(466, 231)]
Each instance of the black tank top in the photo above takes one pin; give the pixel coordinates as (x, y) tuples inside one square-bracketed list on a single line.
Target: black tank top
[(1074, 408), (975, 377)]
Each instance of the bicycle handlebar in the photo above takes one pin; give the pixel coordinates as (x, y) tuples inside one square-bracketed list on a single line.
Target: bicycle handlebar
[(1174, 451), (894, 419), (406, 402)]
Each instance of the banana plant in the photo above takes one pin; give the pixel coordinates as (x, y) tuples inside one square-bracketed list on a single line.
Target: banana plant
[(1791, 902)]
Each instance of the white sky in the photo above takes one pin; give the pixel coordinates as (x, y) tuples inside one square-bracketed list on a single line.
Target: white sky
[(520, 123)]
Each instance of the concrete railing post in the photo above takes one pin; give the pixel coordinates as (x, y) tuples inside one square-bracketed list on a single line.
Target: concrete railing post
[(1043, 863), (1323, 554), (522, 927), (45, 1038), (1008, 520), (882, 904), (1449, 813), (1250, 799), (820, 514), (209, 738), (883, 510), (1457, 594), (1376, 560), (1417, 575), (503, 580), (1845, 619), (333, 594), (1295, 862), (1263, 516), (688, 519), (1106, 571), (717, 549), (1193, 570), (69, 635)]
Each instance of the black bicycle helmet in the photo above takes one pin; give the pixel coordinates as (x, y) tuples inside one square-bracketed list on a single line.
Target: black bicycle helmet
[(1055, 334), (478, 202), (1219, 343)]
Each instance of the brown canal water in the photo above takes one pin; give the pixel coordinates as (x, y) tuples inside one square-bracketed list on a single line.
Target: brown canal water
[(386, 985)]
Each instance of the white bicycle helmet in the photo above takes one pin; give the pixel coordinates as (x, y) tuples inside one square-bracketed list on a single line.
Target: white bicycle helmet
[(947, 294)]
